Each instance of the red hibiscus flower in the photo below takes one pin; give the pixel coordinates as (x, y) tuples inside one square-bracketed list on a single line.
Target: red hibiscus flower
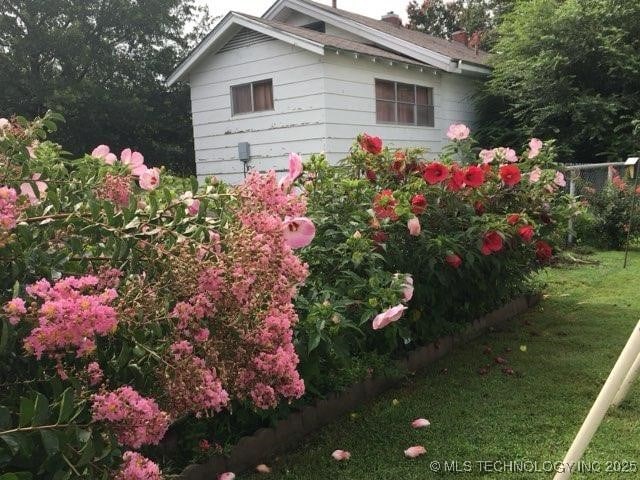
[(473, 176), (513, 218), (453, 260), (491, 242), (418, 204), (510, 174), (526, 233), (379, 237), (478, 206), (456, 181), (485, 167), (371, 175), (435, 172), (543, 250), (384, 205), (370, 143)]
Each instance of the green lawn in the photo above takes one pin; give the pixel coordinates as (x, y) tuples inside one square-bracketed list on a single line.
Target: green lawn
[(572, 340)]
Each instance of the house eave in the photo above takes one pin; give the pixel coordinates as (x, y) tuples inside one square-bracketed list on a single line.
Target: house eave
[(421, 54), (213, 42)]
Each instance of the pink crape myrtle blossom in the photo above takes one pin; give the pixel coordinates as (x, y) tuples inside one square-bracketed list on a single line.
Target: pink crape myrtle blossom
[(262, 468), (559, 179), (458, 131), (137, 467), (73, 313), (390, 315), (227, 476), (104, 152), (135, 420), (487, 155), (535, 145), (298, 231), (27, 190), (149, 178), (133, 160), (4, 124), (416, 451), (534, 176), (420, 423), (15, 308), (341, 455), (95, 373), (414, 226), (9, 209)]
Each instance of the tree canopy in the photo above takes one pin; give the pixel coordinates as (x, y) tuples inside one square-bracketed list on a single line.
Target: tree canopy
[(570, 70), (440, 18), (102, 64)]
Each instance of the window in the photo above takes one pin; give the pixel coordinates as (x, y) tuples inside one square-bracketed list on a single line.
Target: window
[(404, 104), (252, 97)]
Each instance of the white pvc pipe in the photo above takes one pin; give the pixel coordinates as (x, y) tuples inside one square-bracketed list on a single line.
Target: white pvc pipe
[(601, 406), (626, 384)]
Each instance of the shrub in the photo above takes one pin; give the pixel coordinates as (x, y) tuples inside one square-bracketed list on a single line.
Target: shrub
[(610, 214), (460, 234), (132, 301)]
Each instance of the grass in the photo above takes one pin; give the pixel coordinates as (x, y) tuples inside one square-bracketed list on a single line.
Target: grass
[(572, 340)]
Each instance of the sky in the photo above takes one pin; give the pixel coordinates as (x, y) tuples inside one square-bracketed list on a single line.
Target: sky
[(370, 8)]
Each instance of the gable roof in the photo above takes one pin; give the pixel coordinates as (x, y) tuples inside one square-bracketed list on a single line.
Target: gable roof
[(392, 43), (438, 52), (452, 49), (338, 43)]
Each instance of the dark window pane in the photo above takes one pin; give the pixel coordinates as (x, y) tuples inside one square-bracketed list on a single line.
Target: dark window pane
[(424, 96), (426, 116), (385, 90), (406, 113), (406, 93), (263, 96), (385, 111), (241, 98)]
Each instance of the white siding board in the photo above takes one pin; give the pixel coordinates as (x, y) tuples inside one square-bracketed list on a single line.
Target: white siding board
[(351, 108), (297, 122)]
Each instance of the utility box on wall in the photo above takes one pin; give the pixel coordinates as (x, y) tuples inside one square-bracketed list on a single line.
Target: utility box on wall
[(243, 152)]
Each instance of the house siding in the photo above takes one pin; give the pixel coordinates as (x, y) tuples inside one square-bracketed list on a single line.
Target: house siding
[(297, 122), (351, 104)]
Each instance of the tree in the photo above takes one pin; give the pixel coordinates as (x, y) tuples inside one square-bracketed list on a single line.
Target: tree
[(440, 18), (102, 65), (570, 70)]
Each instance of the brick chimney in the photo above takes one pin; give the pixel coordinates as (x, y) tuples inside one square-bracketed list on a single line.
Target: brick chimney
[(460, 36), (334, 3), (392, 18)]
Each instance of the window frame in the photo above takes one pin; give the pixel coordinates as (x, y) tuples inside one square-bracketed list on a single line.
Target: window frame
[(251, 94), (397, 102)]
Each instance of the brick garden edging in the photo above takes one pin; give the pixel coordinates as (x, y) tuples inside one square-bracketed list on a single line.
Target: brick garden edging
[(267, 442)]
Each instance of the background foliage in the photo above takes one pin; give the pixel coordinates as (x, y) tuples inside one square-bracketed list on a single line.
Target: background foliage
[(102, 65), (568, 70)]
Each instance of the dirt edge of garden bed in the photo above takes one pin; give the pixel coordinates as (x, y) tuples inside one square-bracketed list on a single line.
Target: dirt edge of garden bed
[(265, 443)]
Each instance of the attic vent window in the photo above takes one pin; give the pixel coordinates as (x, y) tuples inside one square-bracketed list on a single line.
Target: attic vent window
[(252, 97), (404, 104), (317, 26)]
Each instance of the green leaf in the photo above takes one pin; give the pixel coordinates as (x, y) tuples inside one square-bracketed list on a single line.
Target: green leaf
[(87, 453), (50, 442), (5, 418), (4, 336), (314, 341), (26, 411), (41, 410), (13, 442), (66, 405)]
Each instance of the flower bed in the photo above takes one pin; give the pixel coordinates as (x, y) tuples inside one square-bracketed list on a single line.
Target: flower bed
[(135, 303)]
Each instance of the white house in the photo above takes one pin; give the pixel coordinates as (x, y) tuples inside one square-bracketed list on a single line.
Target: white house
[(306, 77)]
